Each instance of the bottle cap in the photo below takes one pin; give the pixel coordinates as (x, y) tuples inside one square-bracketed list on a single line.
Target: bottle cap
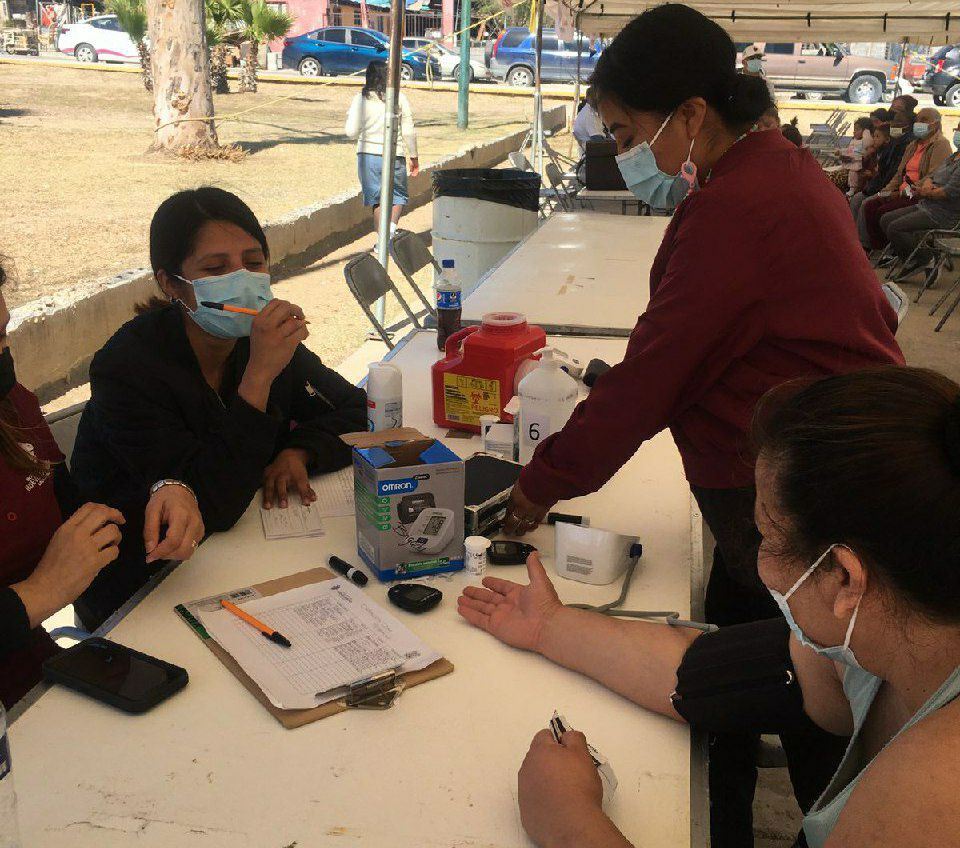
[(447, 263), (476, 544)]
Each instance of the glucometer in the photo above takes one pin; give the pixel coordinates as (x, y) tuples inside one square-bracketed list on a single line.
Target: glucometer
[(410, 506), (414, 597), (432, 530), (509, 553)]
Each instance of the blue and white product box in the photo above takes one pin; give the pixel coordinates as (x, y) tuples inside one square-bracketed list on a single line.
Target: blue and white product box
[(409, 497)]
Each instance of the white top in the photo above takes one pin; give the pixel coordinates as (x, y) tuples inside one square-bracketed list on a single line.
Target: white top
[(211, 767), (587, 124), (579, 271), (365, 120)]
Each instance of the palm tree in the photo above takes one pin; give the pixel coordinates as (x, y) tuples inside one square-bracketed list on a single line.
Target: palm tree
[(222, 17), (258, 23), (132, 17)]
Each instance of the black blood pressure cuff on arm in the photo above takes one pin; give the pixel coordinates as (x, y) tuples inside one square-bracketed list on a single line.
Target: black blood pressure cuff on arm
[(741, 679)]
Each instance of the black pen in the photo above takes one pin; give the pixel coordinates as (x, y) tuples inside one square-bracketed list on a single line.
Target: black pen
[(348, 571)]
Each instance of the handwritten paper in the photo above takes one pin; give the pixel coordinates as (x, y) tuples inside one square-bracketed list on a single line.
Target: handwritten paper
[(293, 521), (335, 493)]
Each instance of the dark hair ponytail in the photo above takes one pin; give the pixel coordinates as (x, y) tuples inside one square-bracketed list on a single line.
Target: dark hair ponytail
[(639, 67), (871, 460)]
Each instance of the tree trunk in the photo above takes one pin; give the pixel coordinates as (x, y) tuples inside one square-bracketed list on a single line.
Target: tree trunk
[(183, 100), (145, 68), (218, 70), (250, 62)]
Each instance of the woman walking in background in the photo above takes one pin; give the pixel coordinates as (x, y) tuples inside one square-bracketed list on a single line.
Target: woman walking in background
[(365, 123)]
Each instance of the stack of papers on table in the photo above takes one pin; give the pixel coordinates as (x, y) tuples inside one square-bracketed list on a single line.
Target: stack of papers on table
[(297, 521), (338, 636)]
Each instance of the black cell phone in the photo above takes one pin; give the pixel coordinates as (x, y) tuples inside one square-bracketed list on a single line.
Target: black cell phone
[(115, 674)]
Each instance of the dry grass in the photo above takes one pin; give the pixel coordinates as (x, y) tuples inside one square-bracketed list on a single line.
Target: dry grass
[(79, 187)]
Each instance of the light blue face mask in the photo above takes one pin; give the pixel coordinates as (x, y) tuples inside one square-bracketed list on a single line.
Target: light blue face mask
[(839, 653), (248, 289), (921, 130), (754, 65), (956, 139), (648, 183)]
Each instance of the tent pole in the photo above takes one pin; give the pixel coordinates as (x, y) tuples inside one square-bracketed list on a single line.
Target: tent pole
[(903, 55), (389, 141), (576, 82), (538, 95), (463, 83)]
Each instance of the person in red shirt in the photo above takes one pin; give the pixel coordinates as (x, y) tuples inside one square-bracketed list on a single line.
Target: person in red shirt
[(760, 279), (51, 546)]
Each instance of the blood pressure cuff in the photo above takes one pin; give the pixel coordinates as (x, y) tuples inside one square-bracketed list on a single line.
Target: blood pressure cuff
[(740, 679)]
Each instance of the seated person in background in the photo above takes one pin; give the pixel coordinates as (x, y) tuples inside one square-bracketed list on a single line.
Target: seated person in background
[(587, 123), (927, 152), (858, 504), (938, 207), (769, 120), (223, 401), (51, 545), (792, 134), (861, 145), (899, 132)]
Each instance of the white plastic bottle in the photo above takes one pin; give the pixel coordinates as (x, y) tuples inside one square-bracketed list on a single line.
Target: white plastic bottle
[(548, 396), (384, 396), (9, 824)]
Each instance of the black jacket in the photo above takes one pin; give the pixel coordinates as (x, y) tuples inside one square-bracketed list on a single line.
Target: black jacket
[(152, 415), (888, 160)]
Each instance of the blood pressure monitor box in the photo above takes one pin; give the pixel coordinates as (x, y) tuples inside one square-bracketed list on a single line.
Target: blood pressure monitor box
[(408, 490)]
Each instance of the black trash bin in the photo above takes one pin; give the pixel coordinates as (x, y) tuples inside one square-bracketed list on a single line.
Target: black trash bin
[(507, 186)]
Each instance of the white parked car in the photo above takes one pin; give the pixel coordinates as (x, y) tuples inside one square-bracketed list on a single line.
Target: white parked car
[(97, 39), (449, 59)]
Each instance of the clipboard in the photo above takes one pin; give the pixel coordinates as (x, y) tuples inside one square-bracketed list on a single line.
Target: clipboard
[(292, 718)]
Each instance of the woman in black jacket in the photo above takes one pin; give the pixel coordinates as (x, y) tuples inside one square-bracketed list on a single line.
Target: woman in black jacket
[(221, 400)]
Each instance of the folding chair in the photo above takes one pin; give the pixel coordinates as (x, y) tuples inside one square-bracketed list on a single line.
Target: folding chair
[(560, 191), (519, 161), (897, 299), (368, 281), (411, 254), (946, 249), (928, 241)]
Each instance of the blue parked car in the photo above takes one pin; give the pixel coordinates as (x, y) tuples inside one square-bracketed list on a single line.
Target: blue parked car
[(512, 57), (348, 50)]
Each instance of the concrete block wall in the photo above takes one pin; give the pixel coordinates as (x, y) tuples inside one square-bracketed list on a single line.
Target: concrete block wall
[(54, 338)]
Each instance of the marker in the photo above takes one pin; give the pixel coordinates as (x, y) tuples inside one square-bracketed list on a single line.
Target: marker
[(562, 518), (268, 632), (226, 307), (348, 571)]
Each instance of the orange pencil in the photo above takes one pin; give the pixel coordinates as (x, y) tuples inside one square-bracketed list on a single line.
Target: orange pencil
[(265, 629), (226, 307)]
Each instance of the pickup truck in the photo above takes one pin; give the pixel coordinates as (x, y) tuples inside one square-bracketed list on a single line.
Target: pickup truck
[(818, 68)]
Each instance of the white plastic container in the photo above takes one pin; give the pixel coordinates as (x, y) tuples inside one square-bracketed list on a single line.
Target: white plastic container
[(477, 234), (475, 559), (591, 555), (384, 396), (548, 396)]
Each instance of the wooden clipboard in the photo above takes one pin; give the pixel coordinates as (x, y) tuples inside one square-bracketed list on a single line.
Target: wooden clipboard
[(296, 718)]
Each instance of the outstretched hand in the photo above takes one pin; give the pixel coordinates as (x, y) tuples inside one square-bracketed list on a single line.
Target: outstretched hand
[(516, 615)]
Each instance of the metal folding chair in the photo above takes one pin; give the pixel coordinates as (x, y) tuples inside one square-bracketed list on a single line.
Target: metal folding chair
[(946, 249), (368, 281), (897, 299), (411, 254), (561, 193), (519, 161)]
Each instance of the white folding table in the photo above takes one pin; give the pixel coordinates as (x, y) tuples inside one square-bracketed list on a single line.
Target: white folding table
[(580, 273), (210, 767)]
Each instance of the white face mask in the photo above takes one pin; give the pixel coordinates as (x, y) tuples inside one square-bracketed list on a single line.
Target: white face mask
[(839, 653)]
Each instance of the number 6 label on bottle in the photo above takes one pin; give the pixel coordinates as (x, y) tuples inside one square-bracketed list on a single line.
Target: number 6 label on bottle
[(535, 429)]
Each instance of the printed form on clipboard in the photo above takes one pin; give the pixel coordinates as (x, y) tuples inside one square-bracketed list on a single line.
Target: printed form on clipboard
[(338, 637)]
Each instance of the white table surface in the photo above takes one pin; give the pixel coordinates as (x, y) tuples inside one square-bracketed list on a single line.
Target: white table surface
[(580, 272), (210, 767), (614, 194)]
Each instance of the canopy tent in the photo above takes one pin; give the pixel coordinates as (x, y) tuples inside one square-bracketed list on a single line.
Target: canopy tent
[(914, 21)]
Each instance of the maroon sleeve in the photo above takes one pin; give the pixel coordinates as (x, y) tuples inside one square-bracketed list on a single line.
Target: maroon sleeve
[(707, 310)]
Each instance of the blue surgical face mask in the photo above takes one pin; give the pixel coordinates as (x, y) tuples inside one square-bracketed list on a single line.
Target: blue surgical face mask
[(248, 289), (839, 653), (754, 65), (956, 139), (648, 183), (921, 130)]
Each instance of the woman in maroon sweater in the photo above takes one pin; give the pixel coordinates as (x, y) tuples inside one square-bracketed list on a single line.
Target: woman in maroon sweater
[(760, 279), (50, 549)]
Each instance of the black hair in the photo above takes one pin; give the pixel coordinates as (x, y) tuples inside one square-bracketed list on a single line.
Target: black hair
[(791, 133), (177, 221), (863, 123), (880, 114), (638, 68), (871, 460), (376, 81), (910, 102)]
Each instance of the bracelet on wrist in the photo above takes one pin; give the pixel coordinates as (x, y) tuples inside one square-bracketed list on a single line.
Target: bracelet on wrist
[(156, 487)]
